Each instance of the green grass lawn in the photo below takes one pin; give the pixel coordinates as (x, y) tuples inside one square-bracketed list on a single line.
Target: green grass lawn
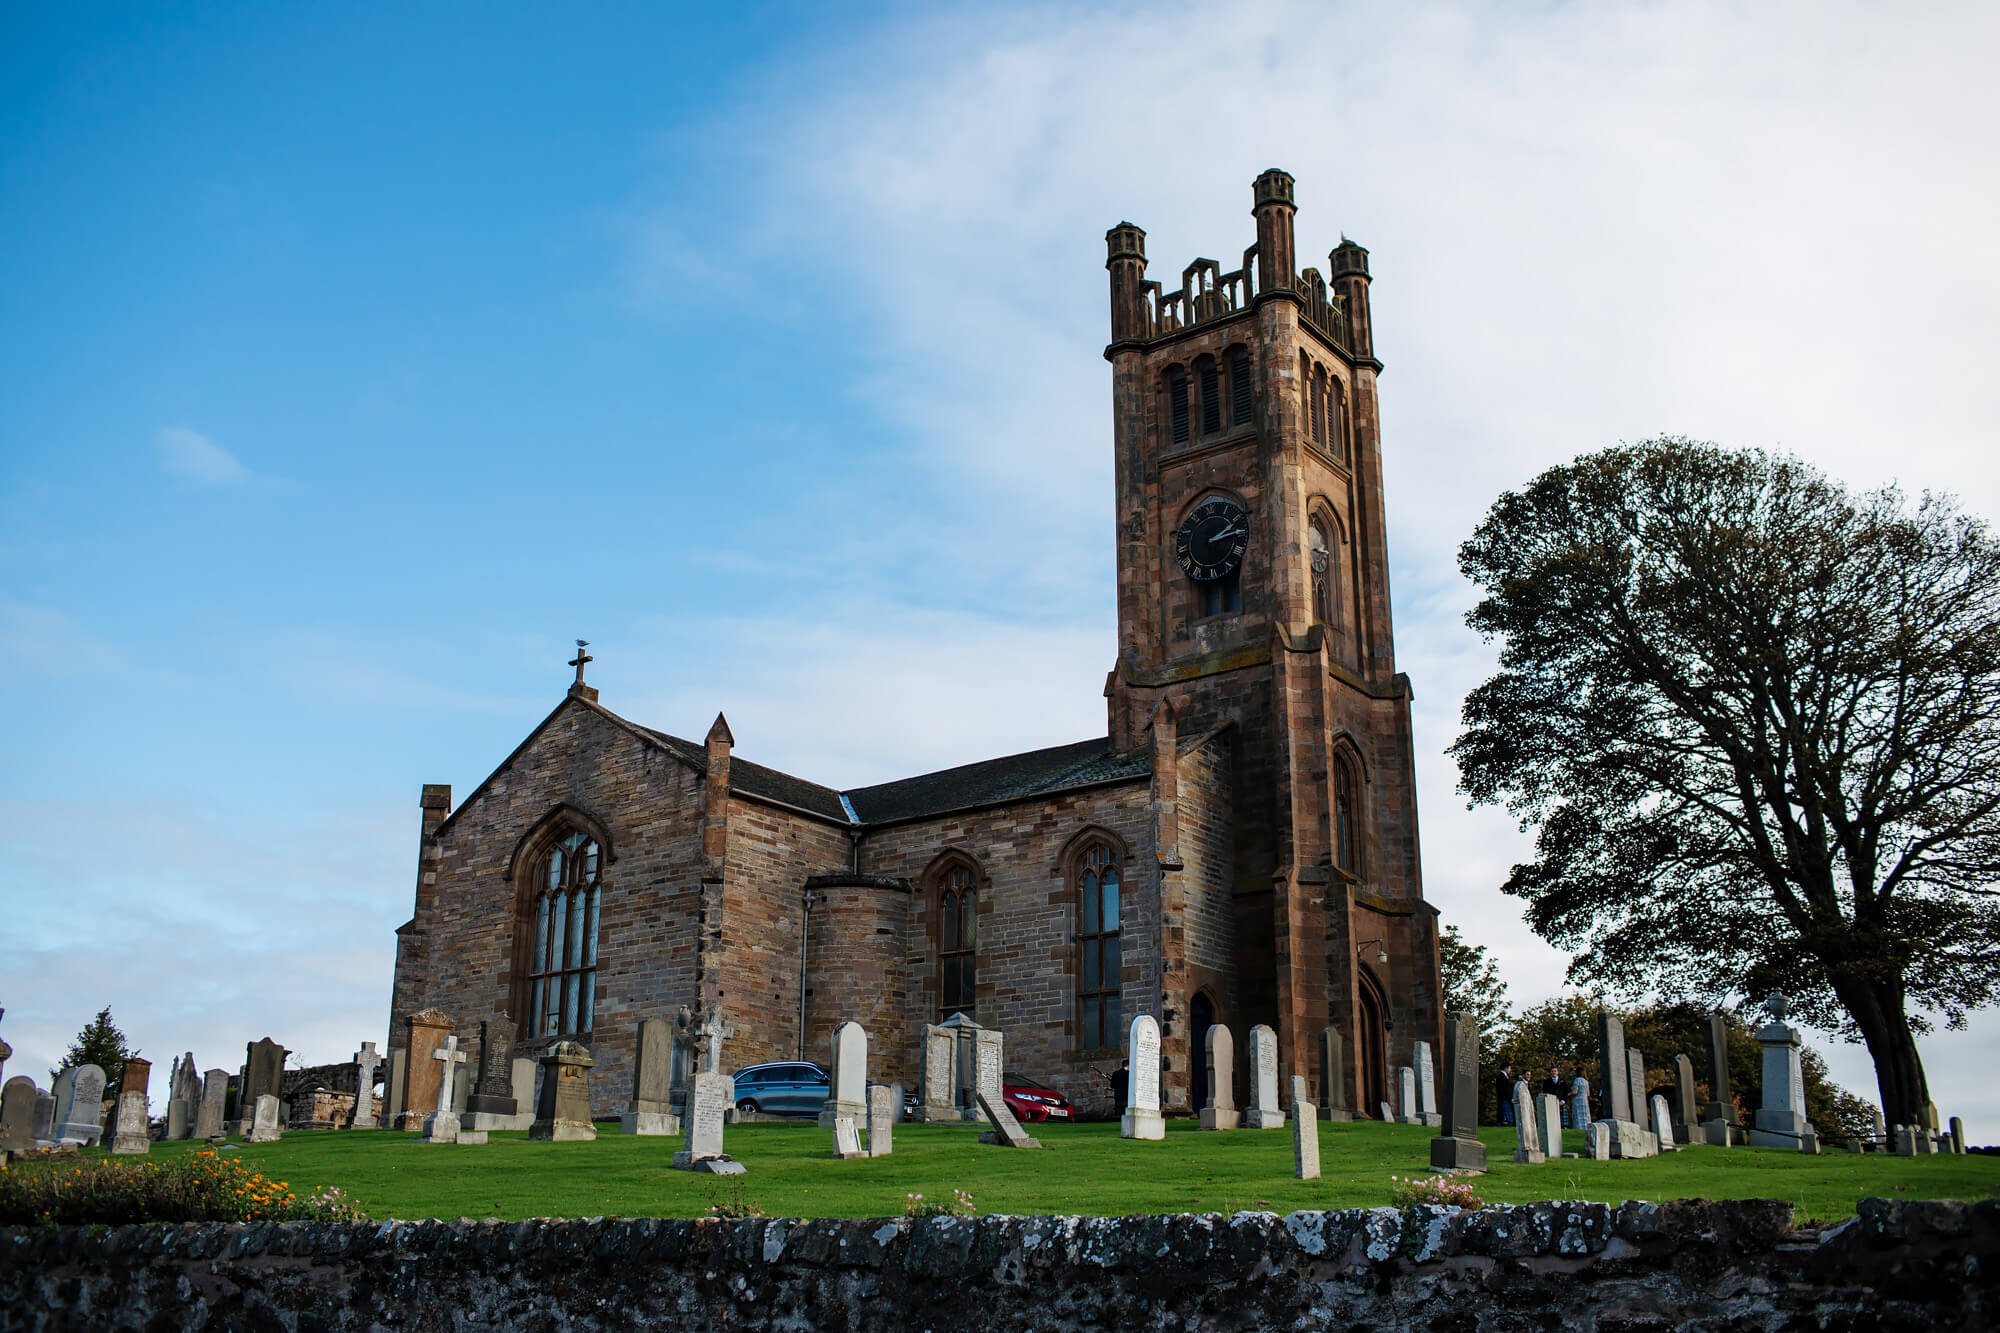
[(1081, 1169)]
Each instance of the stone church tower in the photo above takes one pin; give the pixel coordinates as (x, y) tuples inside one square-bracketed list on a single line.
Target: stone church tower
[(1239, 846), (1253, 589)]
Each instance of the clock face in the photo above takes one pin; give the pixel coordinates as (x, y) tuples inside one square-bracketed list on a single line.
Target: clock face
[(1210, 544)]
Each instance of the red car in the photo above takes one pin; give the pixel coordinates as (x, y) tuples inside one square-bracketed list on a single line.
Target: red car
[(1030, 1100)]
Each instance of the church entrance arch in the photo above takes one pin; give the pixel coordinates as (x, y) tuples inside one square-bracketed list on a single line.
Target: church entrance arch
[(1201, 1017), (1371, 1043)]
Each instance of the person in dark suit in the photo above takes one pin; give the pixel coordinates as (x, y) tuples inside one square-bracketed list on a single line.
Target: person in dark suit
[(1503, 1088)]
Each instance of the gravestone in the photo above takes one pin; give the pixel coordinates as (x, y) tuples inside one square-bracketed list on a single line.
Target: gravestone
[(937, 1091), (652, 1108), (399, 1085), (1406, 1090), (1458, 1148), (490, 1103), (960, 1057), (425, 1032), (1781, 1116), (79, 1105), (1906, 1140), (1220, 1113), (1630, 1141), (133, 1136), (1663, 1124), (1141, 1119), (1599, 1132), (1427, 1102), (882, 1104), (441, 1125), (846, 1139), (1527, 1139), (849, 1065), (263, 1073), (1333, 1090), (523, 1083), (1957, 1135), (1388, 1114), (1579, 1101), (1263, 1112), (266, 1125), (701, 1141), (1611, 1057), (1305, 1132), (17, 1114), (1683, 1105), (184, 1097), (562, 1115), (1006, 1131), (1636, 1080), (1550, 1108), (1881, 1126), (896, 1102), (208, 1117), (137, 1075), (366, 1060), (180, 1120), (45, 1117), (1722, 1125), (987, 1055)]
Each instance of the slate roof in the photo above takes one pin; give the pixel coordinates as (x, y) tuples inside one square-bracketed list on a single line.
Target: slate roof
[(990, 781)]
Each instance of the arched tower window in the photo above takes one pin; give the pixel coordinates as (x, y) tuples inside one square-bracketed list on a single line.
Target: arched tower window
[(1339, 414), (1319, 405), (1211, 394), (1346, 825), (1321, 553), (562, 967), (1100, 964), (957, 940), (1239, 386), (1177, 405)]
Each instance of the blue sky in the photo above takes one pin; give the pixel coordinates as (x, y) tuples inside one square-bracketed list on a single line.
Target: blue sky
[(361, 358)]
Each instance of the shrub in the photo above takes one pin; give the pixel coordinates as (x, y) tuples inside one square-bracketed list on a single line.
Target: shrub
[(1451, 1191), (960, 1205), (203, 1187)]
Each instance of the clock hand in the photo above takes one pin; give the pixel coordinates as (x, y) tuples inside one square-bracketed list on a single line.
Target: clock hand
[(1227, 532)]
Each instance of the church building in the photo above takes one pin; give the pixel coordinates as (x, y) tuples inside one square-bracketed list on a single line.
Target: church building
[(1238, 847)]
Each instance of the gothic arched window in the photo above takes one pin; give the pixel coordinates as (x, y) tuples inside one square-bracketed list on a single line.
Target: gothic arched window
[(1319, 405), (1339, 413), (957, 941), (1346, 828), (562, 969), (1239, 386), (1100, 964), (1177, 405), (1211, 394), (1321, 553)]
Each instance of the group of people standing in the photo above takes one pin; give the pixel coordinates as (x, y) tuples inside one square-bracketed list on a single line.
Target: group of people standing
[(1552, 1086)]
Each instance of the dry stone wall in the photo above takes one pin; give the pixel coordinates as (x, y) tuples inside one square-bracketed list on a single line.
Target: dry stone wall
[(1691, 1265)]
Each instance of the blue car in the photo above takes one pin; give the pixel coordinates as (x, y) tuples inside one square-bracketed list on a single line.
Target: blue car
[(785, 1087)]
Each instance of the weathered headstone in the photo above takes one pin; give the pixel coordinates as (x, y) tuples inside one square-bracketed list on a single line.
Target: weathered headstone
[(399, 1087), (79, 1104), (898, 1100), (366, 1061), (1663, 1124), (524, 1070), (180, 1120), (1721, 1124), (1617, 1076), (263, 1073), (988, 1055), (442, 1125), (562, 1115), (849, 1094), (137, 1075), (1881, 1126), (701, 1142), (937, 1087), (1906, 1140), (208, 1117), (1527, 1138), (652, 1108), (45, 1117), (1388, 1114), (1406, 1090), (1781, 1117), (1579, 1101), (17, 1114), (1427, 1101), (490, 1103), (1333, 1089), (133, 1136), (183, 1098), (1220, 1113), (882, 1104), (1684, 1099), (1636, 1081), (425, 1033), (1264, 1112), (1141, 1119), (1548, 1107), (1305, 1132), (846, 1138), (1458, 1147), (1599, 1132), (1006, 1131), (266, 1124)]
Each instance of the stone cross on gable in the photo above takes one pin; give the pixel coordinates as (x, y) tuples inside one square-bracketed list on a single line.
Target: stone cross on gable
[(451, 1057), (581, 658)]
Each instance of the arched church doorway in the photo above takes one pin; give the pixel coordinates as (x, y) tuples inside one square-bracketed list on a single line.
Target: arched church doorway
[(1371, 1041), (1201, 1017)]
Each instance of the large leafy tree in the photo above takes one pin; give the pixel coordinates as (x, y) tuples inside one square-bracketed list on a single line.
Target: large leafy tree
[(1756, 721), (101, 1044)]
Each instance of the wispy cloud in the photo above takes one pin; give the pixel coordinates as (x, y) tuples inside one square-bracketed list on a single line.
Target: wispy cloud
[(192, 456), (40, 641)]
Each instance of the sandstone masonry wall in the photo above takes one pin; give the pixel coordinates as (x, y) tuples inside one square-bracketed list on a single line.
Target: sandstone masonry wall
[(1691, 1265)]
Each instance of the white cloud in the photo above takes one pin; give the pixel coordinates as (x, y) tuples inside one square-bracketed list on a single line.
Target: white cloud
[(193, 456), (40, 641)]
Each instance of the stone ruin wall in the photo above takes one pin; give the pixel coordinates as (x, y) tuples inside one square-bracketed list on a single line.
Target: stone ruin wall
[(1689, 1264)]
